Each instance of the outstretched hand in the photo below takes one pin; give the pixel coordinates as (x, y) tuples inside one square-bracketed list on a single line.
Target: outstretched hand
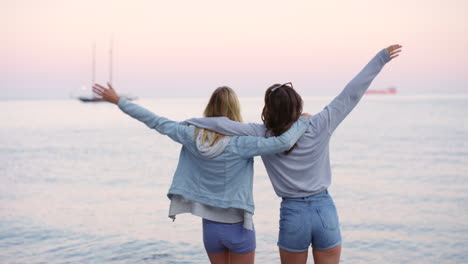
[(106, 94), (394, 50)]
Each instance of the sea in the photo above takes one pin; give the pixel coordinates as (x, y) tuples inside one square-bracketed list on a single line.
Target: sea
[(85, 183)]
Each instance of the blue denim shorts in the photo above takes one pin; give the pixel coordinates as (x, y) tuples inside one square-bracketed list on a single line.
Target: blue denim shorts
[(308, 221), (219, 237)]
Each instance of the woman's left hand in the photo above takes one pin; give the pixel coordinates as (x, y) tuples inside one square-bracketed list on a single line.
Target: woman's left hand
[(106, 94)]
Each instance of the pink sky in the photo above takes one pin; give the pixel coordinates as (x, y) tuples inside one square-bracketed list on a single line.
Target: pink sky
[(188, 48)]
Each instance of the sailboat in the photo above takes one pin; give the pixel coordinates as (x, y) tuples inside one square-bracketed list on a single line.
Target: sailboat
[(93, 98)]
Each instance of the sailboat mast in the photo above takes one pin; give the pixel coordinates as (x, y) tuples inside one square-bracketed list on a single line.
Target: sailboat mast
[(111, 58), (93, 73)]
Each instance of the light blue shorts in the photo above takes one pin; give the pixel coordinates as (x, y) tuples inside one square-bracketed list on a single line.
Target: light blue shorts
[(308, 221), (219, 237)]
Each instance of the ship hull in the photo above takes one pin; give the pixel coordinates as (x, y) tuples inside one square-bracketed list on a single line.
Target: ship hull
[(387, 91)]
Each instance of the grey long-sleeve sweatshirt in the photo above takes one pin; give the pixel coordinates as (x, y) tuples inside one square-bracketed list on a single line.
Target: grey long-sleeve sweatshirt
[(306, 170)]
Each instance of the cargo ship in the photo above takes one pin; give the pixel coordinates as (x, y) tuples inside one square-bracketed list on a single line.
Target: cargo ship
[(391, 90)]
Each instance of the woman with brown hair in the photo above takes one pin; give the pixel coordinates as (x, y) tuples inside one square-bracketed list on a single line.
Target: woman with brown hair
[(301, 176), (214, 176)]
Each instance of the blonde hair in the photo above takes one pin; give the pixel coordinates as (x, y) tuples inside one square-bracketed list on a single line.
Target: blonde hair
[(223, 102)]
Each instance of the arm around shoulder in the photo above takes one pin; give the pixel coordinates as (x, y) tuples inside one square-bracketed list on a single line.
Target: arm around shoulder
[(249, 146), (224, 125)]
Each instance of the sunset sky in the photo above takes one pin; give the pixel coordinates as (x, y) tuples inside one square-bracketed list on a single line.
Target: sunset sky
[(188, 48)]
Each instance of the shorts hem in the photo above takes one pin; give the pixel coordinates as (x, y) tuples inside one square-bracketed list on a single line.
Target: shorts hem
[(329, 247), (243, 251), (215, 251), (236, 252), (292, 250)]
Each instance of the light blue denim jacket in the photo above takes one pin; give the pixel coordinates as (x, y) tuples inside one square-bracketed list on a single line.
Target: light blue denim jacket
[(225, 181)]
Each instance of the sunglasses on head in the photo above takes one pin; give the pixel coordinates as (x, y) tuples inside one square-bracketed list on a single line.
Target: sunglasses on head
[(288, 84)]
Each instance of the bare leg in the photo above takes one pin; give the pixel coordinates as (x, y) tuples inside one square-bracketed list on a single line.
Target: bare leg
[(288, 257), (327, 256), (247, 258), (220, 258)]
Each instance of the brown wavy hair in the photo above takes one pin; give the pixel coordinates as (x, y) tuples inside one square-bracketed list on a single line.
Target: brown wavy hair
[(283, 107)]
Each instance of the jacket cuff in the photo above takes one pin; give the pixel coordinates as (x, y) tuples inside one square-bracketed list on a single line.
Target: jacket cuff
[(304, 120), (385, 56), (122, 101)]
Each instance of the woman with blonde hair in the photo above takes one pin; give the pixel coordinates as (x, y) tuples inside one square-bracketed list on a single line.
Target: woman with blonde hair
[(214, 175)]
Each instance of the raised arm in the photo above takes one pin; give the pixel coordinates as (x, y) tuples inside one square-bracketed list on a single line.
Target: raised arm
[(249, 146), (334, 113), (226, 126), (175, 130)]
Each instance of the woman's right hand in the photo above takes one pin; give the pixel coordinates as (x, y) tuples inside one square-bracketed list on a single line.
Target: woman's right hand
[(394, 50), (106, 94)]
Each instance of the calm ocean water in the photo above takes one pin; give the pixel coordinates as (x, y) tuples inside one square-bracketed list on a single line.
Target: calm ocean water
[(83, 183)]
